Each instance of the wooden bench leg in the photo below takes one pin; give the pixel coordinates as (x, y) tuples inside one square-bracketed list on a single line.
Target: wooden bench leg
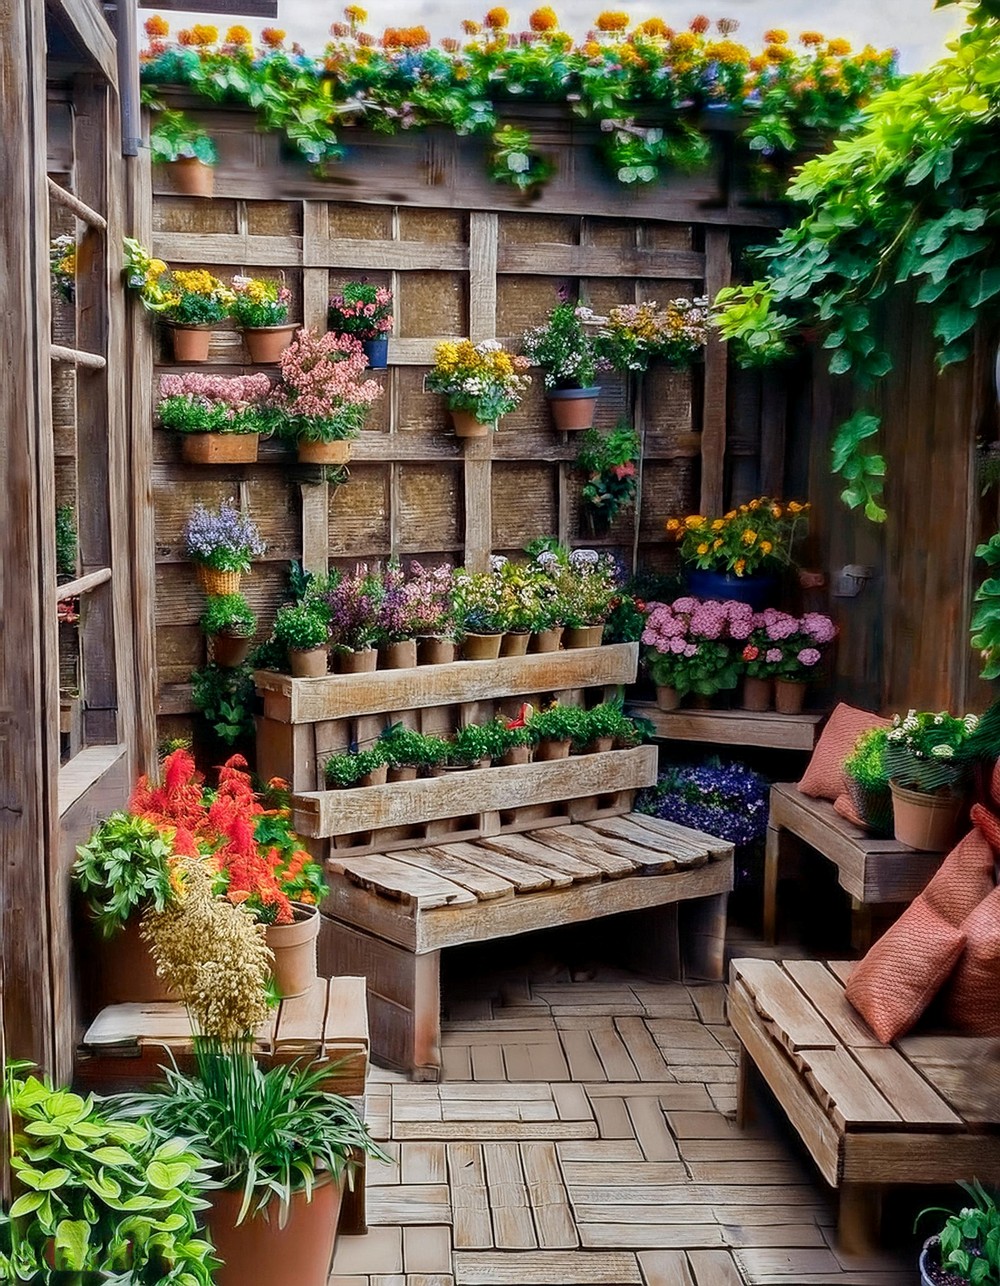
[(353, 1209), (746, 1085), (703, 937), (859, 1218), (772, 871)]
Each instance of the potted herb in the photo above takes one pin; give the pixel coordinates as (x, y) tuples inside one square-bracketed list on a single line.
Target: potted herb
[(364, 312), (362, 768), (304, 630), (868, 780), (523, 604), (190, 301), (187, 150), (408, 753), (221, 544), (230, 623), (927, 776), (609, 463), (476, 745), (225, 696), (354, 604), (604, 725), (260, 310), (633, 334), (322, 399), (570, 362), (479, 614), (554, 729), (691, 647), (481, 382), (219, 418), (967, 1249), (518, 737)]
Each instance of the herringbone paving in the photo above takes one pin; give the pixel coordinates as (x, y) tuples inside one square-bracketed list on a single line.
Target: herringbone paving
[(583, 1134)]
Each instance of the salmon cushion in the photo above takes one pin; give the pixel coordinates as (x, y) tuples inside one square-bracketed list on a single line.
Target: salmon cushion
[(972, 998), (901, 974), (844, 805), (965, 878), (824, 777)]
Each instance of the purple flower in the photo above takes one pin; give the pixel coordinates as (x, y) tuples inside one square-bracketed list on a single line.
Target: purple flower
[(773, 655), (808, 656), (819, 627), (226, 540)]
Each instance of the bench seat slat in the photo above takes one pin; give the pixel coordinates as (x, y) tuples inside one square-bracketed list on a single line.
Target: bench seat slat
[(438, 861), (524, 877), (615, 860), (777, 999), (916, 1101), (624, 828), (826, 993), (383, 875), (549, 859), (844, 1090), (718, 849)]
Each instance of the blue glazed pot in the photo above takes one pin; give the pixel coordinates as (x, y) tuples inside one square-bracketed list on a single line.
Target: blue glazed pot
[(377, 352), (758, 591)]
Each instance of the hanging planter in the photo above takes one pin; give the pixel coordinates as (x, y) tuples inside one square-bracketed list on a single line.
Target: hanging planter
[(186, 150), (191, 343), (467, 426), (265, 344), (230, 650), (294, 948), (573, 408), (219, 448), (192, 177), (216, 582), (324, 452)]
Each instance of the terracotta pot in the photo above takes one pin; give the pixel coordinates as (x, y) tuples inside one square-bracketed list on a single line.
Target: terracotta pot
[(325, 452), (192, 177), (549, 749), (756, 693), (467, 426), (516, 755), (363, 661), (265, 344), (926, 822), (789, 696), (398, 656), (405, 772), (219, 448), (481, 647), (230, 650), (213, 581), (377, 777), (599, 746), (435, 651), (191, 342), (260, 1252), (575, 636), (308, 662), (126, 969), (667, 698), (294, 948), (573, 408), (546, 640), (874, 807), (515, 643)]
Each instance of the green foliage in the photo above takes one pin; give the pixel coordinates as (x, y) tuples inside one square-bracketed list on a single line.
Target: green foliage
[(228, 614), (347, 770), (866, 762), (927, 751), (970, 1238), (66, 541), (123, 868), (864, 472), (713, 668), (475, 742), (225, 696), (563, 348), (513, 160), (626, 621), (749, 320), (302, 626), (559, 723), (405, 748), (608, 720), (97, 1192), (176, 137), (609, 462), (986, 616)]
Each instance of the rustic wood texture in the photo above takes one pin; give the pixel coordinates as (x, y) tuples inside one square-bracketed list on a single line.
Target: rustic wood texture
[(733, 727)]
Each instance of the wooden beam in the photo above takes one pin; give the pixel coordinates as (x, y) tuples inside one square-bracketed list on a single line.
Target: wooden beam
[(77, 357), (84, 24), (483, 237), (83, 584), (79, 208), (227, 8), (718, 271)]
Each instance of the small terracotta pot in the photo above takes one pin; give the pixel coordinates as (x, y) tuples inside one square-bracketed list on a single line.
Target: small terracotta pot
[(925, 822), (308, 662), (599, 746), (515, 643), (667, 698), (467, 426), (573, 408), (789, 696), (377, 777), (398, 656), (325, 452), (516, 755), (230, 650), (405, 772), (757, 693), (219, 448), (192, 177), (261, 1252), (361, 662), (549, 749), (546, 640), (191, 343), (435, 651), (481, 647), (294, 948), (575, 636), (214, 582), (265, 344), (127, 971)]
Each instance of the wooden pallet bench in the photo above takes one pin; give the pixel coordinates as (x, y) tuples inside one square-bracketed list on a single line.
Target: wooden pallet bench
[(879, 874), (390, 915), (924, 1110)]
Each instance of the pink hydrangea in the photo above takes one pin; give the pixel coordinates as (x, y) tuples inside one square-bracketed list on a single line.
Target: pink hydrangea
[(685, 605), (808, 656), (779, 625), (819, 627), (677, 646), (690, 649), (773, 655), (741, 619), (708, 620)]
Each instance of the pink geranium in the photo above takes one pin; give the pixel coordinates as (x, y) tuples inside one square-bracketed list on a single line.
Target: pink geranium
[(321, 380)]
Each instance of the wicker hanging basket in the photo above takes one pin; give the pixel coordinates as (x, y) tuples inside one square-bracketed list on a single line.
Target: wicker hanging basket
[(213, 581)]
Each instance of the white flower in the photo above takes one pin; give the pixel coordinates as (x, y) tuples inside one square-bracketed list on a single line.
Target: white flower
[(942, 752), (497, 561), (971, 722), (939, 718)]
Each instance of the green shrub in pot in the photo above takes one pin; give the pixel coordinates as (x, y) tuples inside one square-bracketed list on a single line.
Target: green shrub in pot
[(123, 869), (228, 614), (300, 627)]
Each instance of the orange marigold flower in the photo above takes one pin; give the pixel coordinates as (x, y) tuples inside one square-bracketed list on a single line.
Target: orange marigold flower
[(612, 20), (544, 19), (471, 28), (727, 52), (591, 48), (204, 34), (185, 36), (355, 14), (839, 47), (238, 35), (758, 62), (775, 36), (699, 24), (655, 27), (156, 26), (497, 18), (684, 41), (273, 37), (777, 53), (811, 38)]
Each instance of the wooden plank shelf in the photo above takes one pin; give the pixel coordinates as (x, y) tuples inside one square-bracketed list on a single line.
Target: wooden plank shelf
[(339, 696), (733, 727)]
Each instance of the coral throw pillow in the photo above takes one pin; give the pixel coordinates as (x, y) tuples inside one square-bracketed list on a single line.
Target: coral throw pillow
[(965, 878), (844, 805), (824, 778), (972, 1000), (899, 977)]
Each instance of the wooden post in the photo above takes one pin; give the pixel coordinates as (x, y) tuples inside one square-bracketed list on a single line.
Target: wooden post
[(713, 431), (483, 236)]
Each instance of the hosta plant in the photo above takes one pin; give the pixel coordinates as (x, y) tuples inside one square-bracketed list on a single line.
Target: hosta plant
[(123, 868)]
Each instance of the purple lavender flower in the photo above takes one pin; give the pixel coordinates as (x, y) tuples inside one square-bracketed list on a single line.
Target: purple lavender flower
[(226, 540), (727, 800)]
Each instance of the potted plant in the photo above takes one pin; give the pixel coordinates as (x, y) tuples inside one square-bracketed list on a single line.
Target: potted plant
[(364, 311), (354, 604), (967, 1249), (523, 603), (395, 628), (475, 745), (586, 586), (739, 555), (479, 614), (432, 613), (633, 334), (481, 382), (322, 398), (190, 301), (570, 362), (868, 780), (927, 776), (187, 150), (604, 725), (230, 623), (361, 768), (408, 753), (219, 418), (260, 310), (98, 1195), (690, 647), (554, 729), (609, 464), (304, 630), (221, 544), (783, 651), (518, 737)]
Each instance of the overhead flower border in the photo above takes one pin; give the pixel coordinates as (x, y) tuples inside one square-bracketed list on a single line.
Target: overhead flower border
[(646, 86)]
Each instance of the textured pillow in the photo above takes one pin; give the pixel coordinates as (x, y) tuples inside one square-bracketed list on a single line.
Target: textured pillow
[(965, 878), (824, 778), (844, 805), (972, 999), (995, 784), (899, 977), (988, 823)]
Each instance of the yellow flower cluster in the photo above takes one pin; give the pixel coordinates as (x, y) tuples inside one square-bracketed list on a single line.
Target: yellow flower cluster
[(199, 282), (760, 531)]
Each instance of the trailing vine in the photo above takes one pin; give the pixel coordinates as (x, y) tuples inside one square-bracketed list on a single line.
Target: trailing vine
[(910, 200)]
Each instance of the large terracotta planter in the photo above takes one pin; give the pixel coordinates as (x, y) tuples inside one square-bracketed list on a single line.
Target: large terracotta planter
[(338, 452), (219, 448), (363, 661), (481, 647), (667, 698), (575, 636), (757, 693), (308, 662), (789, 696), (294, 948), (550, 749), (515, 643), (926, 822), (265, 344), (398, 656), (126, 969), (230, 650), (546, 640), (191, 343), (260, 1252), (217, 582), (573, 408), (192, 177), (435, 651), (467, 426)]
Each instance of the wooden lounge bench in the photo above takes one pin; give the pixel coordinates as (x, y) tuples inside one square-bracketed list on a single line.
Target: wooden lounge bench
[(923, 1110), (389, 915), (881, 875)]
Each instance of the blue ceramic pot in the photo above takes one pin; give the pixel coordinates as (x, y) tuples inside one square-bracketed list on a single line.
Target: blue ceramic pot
[(377, 352), (758, 591)]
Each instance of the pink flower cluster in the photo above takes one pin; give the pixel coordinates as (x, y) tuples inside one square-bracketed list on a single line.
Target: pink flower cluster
[(776, 625), (234, 390), (786, 644), (322, 376), (677, 627)]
